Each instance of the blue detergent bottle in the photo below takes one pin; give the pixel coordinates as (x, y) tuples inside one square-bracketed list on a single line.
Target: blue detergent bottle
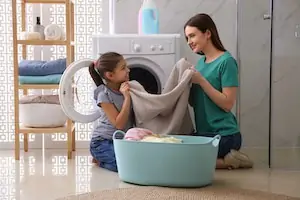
[(148, 18)]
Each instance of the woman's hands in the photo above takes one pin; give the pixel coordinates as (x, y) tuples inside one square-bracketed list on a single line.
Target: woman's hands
[(197, 77), (225, 99)]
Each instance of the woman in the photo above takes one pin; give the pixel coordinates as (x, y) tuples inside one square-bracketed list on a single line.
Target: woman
[(214, 90)]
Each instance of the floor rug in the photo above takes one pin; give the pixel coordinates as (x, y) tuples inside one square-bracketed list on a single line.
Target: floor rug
[(161, 193)]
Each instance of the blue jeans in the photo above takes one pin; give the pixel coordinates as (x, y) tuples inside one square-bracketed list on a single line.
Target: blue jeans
[(103, 151), (226, 143)]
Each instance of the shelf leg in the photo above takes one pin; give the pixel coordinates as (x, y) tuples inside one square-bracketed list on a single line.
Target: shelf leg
[(26, 142), (69, 140), (16, 73), (17, 146), (73, 139)]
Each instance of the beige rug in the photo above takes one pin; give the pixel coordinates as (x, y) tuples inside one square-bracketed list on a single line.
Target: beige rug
[(159, 193)]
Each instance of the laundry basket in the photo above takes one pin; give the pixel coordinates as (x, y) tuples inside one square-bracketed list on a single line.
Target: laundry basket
[(188, 164)]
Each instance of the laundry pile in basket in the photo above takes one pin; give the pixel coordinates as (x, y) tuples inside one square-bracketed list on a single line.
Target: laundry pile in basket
[(145, 135), (41, 72)]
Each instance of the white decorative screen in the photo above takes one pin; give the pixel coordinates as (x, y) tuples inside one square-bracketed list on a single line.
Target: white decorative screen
[(88, 21), (6, 68)]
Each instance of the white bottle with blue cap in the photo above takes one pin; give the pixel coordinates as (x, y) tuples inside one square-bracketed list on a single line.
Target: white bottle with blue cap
[(148, 18)]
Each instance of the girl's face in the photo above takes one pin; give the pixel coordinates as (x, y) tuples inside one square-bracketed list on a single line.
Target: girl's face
[(121, 72), (196, 39)]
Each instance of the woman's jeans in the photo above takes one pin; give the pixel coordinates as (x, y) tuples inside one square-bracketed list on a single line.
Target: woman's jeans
[(226, 143)]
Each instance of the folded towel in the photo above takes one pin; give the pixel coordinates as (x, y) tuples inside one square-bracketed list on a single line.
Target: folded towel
[(41, 68), (46, 99), (49, 79), (53, 32), (168, 112)]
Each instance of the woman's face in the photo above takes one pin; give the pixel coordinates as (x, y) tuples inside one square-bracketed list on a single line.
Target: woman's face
[(196, 39)]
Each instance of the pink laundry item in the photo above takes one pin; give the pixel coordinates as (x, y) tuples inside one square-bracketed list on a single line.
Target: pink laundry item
[(137, 134)]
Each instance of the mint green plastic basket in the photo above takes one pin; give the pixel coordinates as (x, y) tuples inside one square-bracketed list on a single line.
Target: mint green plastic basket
[(188, 164)]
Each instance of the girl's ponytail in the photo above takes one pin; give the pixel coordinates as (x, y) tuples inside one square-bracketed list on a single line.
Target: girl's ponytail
[(94, 74), (106, 63)]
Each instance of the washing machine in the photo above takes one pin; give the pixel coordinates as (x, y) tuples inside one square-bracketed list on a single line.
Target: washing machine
[(150, 58)]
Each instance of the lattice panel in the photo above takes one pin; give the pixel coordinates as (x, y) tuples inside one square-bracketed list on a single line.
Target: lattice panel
[(88, 21), (57, 16), (6, 67)]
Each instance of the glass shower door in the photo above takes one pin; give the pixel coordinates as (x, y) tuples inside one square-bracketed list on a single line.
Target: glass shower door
[(254, 52), (285, 87)]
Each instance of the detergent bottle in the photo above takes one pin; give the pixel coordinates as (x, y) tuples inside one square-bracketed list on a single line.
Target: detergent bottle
[(148, 18)]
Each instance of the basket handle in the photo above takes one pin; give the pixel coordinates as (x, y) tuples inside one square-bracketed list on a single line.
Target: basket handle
[(216, 140), (118, 135)]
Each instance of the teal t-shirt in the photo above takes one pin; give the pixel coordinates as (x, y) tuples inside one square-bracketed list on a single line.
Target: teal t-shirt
[(209, 117)]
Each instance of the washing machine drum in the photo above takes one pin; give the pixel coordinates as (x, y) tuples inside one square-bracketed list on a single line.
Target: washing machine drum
[(146, 78)]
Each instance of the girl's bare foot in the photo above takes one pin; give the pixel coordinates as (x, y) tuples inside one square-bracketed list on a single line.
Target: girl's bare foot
[(95, 161)]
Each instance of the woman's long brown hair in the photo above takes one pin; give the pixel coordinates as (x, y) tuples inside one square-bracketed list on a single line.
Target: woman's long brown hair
[(204, 22)]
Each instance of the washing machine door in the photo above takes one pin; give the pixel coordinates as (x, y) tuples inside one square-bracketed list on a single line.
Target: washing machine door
[(76, 93)]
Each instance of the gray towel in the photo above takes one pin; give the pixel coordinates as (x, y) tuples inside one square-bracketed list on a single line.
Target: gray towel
[(166, 113)]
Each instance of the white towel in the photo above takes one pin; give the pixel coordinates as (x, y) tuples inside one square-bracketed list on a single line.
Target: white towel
[(53, 32), (168, 112)]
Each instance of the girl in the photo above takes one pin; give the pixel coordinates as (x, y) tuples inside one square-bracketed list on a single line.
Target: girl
[(114, 101), (214, 90)]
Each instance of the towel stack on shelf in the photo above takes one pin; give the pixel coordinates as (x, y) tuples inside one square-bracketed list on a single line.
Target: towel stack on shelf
[(41, 72)]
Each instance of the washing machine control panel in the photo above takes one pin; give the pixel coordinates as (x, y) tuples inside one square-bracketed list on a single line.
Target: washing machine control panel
[(133, 44), (152, 46), (136, 48)]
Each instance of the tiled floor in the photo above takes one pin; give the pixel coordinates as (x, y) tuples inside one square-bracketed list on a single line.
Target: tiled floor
[(49, 175)]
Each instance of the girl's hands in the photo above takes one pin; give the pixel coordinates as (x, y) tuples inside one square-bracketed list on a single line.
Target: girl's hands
[(124, 89)]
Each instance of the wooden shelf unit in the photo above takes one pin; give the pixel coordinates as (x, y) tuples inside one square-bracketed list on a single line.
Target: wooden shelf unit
[(69, 127)]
